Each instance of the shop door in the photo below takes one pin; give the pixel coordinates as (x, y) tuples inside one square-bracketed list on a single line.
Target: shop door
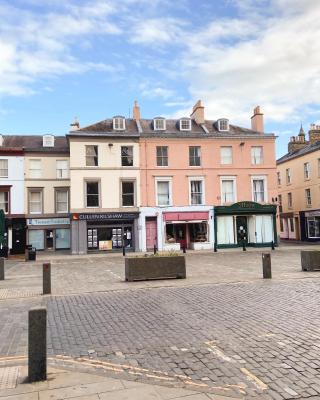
[(18, 239), (181, 236), (151, 233), (242, 229), (49, 239)]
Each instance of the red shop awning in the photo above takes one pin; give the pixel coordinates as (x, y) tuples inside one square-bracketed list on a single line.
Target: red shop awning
[(186, 216)]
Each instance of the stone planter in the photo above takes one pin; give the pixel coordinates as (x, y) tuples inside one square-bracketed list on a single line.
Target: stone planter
[(145, 268), (310, 260)]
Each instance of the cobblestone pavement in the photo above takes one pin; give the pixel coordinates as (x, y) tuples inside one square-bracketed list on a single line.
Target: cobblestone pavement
[(257, 339)]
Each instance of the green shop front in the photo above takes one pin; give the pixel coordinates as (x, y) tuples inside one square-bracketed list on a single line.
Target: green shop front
[(247, 221)]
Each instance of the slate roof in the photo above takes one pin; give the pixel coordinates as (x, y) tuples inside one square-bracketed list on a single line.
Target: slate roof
[(106, 128), (310, 148), (33, 143)]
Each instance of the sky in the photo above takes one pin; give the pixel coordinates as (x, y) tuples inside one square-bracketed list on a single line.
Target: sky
[(92, 58)]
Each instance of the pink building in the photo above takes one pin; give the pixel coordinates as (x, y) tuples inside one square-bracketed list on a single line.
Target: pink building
[(205, 182)]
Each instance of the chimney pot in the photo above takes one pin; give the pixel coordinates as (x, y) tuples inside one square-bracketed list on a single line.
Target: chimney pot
[(198, 112), (136, 111)]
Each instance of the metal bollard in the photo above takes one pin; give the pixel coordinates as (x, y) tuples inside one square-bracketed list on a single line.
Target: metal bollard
[(244, 246), (123, 251), (272, 245), (215, 249), (46, 278), (37, 345), (155, 249), (266, 265), (184, 250), (2, 261)]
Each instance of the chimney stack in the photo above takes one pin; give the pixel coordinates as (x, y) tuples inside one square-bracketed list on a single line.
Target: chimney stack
[(75, 125), (314, 133), (257, 120), (136, 111), (198, 112)]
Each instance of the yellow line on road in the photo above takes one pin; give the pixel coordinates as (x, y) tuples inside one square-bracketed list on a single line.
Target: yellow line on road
[(254, 379)]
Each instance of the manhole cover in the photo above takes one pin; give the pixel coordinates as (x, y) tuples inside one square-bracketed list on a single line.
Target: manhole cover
[(8, 377)]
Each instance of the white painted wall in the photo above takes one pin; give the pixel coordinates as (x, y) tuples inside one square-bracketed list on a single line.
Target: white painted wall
[(16, 180)]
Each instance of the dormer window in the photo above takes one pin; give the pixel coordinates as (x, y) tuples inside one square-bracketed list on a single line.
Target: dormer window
[(185, 124), (159, 124), (119, 123), (223, 125), (48, 141)]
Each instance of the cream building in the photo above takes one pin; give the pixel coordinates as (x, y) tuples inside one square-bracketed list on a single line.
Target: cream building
[(47, 192), (105, 185), (298, 180)]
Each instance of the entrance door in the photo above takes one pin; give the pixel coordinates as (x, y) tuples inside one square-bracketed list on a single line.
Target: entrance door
[(181, 236), (18, 238), (49, 239), (151, 233), (242, 229)]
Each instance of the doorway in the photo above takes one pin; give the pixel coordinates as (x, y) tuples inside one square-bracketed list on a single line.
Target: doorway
[(49, 239), (181, 236), (151, 233), (242, 229)]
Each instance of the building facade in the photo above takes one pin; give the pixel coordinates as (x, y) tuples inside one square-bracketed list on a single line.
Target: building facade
[(202, 182), (298, 181), (105, 186)]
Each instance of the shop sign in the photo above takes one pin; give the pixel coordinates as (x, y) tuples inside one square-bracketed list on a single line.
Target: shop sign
[(312, 213), (104, 216), (48, 221)]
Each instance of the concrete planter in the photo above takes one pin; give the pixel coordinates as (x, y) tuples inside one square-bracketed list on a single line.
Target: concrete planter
[(200, 245), (310, 260), (145, 268)]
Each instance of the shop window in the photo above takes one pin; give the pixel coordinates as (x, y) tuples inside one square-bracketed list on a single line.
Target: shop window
[(163, 193), (256, 155), (226, 155), (35, 201), (91, 156), (258, 190), (194, 156), (62, 205), (92, 194), (196, 192), (289, 200), (127, 192), (170, 233), (62, 239), (4, 201), (62, 169), (36, 238), (313, 225), (198, 232), (127, 156), (308, 197), (227, 191), (162, 156), (35, 169), (3, 168)]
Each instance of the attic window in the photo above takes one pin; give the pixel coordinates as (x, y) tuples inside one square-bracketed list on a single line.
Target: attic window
[(159, 124), (48, 141), (185, 124), (119, 123), (223, 125)]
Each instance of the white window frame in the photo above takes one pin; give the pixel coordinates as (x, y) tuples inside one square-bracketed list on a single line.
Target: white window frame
[(290, 204), (5, 169), (163, 179), (32, 169), (223, 125), (119, 123), (99, 194), (56, 200), (306, 170), (253, 158), (288, 176), (265, 184), (197, 178), (162, 123), (61, 170), (279, 178), (308, 203), (35, 190), (222, 160), (232, 179), (185, 120)]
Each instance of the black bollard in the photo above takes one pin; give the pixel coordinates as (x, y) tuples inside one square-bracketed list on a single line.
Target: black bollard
[(184, 249), (244, 246), (123, 251), (215, 247), (2, 261), (266, 265), (155, 249), (46, 278), (37, 345), (272, 245)]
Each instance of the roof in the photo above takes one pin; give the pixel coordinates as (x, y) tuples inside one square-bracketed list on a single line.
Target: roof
[(145, 128), (310, 148), (33, 143)]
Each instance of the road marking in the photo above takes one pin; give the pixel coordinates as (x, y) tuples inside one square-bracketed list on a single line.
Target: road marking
[(213, 348), (254, 379)]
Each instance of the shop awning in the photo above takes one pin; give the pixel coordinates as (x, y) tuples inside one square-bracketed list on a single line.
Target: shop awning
[(195, 216)]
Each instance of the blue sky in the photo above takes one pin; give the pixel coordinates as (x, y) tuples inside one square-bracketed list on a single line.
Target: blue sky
[(92, 59)]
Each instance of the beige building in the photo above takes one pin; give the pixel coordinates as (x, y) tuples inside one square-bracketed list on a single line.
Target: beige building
[(298, 180), (105, 185), (47, 192)]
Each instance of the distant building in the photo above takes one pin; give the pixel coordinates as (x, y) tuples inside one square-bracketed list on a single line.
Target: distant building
[(298, 181)]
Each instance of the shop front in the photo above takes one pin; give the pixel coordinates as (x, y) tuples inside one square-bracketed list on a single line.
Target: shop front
[(310, 225), (104, 232), (49, 233), (289, 226), (246, 221)]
